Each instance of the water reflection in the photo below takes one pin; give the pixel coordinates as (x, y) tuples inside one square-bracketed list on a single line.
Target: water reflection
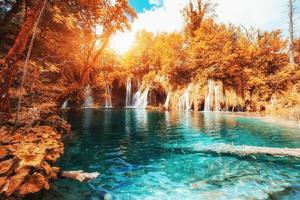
[(167, 119), (223, 128), (87, 117), (184, 119), (152, 155), (107, 117), (141, 118)]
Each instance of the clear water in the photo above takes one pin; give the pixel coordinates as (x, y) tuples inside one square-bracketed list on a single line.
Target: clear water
[(155, 155)]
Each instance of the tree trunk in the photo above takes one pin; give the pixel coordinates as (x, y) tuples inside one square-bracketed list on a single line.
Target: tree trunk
[(87, 76), (15, 54), (26, 63), (79, 175), (250, 150), (291, 8)]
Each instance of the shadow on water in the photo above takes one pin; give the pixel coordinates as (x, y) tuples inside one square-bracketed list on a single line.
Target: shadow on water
[(150, 155)]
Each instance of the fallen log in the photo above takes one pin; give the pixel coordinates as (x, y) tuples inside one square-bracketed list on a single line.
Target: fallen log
[(79, 175), (251, 150)]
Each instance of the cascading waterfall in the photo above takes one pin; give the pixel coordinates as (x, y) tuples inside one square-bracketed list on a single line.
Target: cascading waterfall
[(65, 105), (128, 92), (209, 97), (108, 103), (88, 98), (213, 95), (184, 100), (217, 98), (167, 100), (140, 99)]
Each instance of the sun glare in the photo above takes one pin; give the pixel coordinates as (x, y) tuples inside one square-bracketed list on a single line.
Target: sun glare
[(121, 42)]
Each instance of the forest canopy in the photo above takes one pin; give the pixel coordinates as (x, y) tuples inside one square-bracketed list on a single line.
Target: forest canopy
[(72, 46)]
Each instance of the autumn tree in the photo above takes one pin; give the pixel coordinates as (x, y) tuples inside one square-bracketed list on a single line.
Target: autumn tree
[(172, 55), (108, 70), (214, 51), (84, 16), (139, 60), (267, 61), (105, 19), (194, 15), (16, 52)]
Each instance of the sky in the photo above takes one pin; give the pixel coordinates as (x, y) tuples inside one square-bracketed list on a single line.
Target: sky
[(165, 16)]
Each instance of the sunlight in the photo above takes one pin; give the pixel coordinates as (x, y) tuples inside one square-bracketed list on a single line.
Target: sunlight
[(121, 42), (187, 99), (98, 29)]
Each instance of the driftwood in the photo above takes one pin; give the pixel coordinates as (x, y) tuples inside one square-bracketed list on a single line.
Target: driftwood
[(79, 175), (251, 150)]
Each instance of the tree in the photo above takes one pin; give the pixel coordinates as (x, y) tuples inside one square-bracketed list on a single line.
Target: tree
[(194, 17), (172, 56), (105, 20), (16, 52), (139, 60), (110, 16), (267, 60), (291, 15)]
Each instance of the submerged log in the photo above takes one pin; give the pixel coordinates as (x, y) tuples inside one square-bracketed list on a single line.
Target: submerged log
[(252, 150), (79, 175)]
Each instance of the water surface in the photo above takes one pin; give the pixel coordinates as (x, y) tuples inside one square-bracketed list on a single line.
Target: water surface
[(156, 155)]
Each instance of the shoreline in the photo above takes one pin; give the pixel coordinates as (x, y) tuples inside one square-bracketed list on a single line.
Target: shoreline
[(272, 119), (29, 153), (268, 118)]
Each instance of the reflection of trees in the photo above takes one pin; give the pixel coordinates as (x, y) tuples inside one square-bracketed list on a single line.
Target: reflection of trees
[(87, 117)]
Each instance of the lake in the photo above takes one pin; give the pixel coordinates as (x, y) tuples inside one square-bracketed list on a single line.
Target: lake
[(156, 155)]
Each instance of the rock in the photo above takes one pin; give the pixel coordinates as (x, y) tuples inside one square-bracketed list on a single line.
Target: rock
[(27, 171), (35, 183), (199, 184), (3, 152), (3, 181), (30, 154), (6, 165), (14, 182), (50, 171), (108, 196)]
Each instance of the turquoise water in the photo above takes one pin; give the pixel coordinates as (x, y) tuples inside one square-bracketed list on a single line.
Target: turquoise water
[(156, 155)]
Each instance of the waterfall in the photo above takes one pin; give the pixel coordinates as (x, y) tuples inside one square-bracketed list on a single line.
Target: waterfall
[(108, 103), (184, 100), (217, 98), (213, 95), (88, 98), (209, 97), (128, 92), (65, 105), (167, 100), (140, 99)]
